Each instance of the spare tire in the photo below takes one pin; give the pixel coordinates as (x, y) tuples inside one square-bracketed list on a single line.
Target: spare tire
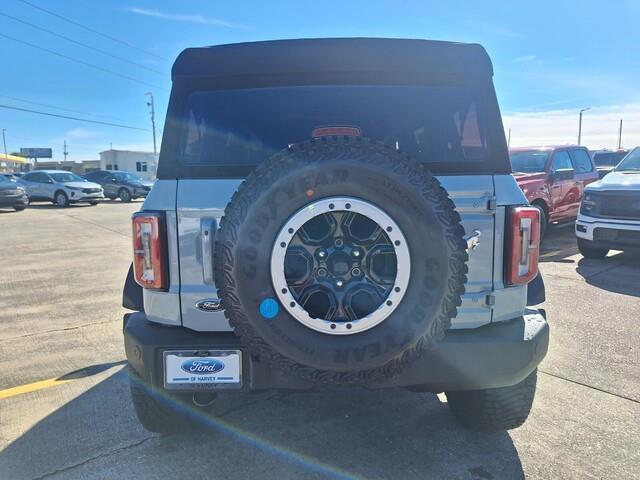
[(340, 260)]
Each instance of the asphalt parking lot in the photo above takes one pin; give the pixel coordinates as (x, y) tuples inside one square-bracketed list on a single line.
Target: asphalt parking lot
[(60, 324)]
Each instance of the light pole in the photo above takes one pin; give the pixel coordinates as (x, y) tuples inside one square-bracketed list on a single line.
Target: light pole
[(580, 124), (152, 110), (620, 136), (4, 142)]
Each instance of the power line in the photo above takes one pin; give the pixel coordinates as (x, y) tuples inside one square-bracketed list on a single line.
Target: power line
[(9, 107), (77, 24), (81, 62), (57, 108), (122, 59)]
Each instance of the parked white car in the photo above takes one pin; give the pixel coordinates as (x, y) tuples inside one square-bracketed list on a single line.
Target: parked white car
[(610, 211), (60, 187)]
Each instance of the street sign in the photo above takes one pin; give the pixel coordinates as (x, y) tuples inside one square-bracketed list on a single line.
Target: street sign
[(36, 152)]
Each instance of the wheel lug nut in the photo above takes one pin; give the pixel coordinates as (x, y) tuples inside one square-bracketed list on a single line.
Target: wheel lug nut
[(322, 272), (339, 283), (356, 253), (355, 272), (338, 243), (322, 254)]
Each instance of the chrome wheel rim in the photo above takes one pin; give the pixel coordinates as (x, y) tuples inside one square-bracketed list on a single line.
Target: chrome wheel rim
[(61, 200), (340, 266)]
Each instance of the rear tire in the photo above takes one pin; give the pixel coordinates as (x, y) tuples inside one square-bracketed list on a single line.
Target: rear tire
[(155, 409), (587, 249), (94, 202), (494, 409), (19, 208)]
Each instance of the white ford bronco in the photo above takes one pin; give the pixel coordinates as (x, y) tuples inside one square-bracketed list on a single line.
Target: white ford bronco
[(335, 212)]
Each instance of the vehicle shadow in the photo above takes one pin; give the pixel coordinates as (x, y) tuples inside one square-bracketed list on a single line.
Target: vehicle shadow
[(120, 202), (51, 206), (618, 273), (347, 433)]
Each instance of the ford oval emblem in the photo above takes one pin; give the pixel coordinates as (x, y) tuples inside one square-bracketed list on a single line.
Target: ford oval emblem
[(204, 366), (209, 305)]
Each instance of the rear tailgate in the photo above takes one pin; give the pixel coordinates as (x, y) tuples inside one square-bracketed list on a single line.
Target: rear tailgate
[(472, 194)]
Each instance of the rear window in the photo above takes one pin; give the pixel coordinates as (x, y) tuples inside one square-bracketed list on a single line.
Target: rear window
[(244, 127), (608, 159), (529, 161)]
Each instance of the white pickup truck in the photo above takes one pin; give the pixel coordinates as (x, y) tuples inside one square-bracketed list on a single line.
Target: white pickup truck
[(610, 211)]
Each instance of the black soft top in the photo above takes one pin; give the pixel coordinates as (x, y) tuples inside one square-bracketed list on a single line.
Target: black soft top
[(420, 60)]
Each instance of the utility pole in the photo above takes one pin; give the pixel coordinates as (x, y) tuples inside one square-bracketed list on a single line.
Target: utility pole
[(620, 136), (509, 138), (152, 111), (580, 124), (65, 152), (4, 142)]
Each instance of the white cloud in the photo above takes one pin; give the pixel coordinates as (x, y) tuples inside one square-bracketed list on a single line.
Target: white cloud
[(183, 17), (80, 134), (599, 127), (526, 58), (500, 30)]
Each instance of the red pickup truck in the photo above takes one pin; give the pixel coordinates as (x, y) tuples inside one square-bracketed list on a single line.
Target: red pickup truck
[(553, 179)]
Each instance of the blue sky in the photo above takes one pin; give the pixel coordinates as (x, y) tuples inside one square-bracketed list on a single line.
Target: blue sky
[(550, 59)]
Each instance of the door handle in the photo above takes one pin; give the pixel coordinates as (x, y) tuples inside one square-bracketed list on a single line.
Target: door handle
[(473, 240), (208, 228)]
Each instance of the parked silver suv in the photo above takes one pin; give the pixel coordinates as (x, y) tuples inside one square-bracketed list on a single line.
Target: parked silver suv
[(60, 187), (120, 184), (329, 213)]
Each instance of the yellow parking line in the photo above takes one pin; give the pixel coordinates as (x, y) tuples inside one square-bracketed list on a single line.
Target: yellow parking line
[(85, 372), (31, 387)]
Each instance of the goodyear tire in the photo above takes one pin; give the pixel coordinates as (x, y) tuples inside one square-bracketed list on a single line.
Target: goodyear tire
[(426, 240)]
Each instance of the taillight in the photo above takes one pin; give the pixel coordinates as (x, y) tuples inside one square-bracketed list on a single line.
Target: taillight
[(523, 245), (149, 250)]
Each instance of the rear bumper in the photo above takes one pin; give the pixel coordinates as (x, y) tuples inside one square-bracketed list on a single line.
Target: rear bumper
[(609, 233), (492, 356)]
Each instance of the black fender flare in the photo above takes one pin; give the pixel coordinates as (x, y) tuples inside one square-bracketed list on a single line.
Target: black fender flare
[(535, 291), (132, 293)]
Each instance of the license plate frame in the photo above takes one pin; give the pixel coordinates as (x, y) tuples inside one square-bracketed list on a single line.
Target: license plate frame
[(213, 377)]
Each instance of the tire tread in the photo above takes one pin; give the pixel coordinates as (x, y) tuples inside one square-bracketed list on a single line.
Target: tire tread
[(338, 148)]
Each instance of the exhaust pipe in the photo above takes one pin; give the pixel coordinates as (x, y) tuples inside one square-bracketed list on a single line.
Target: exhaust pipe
[(203, 399)]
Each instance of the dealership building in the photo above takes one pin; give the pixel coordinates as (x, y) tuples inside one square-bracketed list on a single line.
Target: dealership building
[(143, 164)]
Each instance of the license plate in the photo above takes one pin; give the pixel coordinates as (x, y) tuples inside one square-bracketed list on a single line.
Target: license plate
[(218, 369)]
